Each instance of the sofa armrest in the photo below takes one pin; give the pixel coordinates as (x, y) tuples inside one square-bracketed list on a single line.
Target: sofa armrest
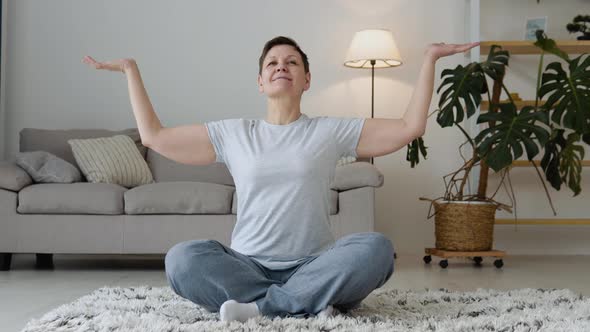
[(12, 177), (356, 175), (8, 221), (356, 212)]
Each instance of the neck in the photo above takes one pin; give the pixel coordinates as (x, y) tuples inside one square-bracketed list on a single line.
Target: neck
[(282, 111)]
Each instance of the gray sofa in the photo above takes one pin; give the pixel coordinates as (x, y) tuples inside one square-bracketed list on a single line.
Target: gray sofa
[(185, 202)]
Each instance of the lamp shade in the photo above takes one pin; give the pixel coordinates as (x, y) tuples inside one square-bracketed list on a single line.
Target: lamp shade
[(373, 44)]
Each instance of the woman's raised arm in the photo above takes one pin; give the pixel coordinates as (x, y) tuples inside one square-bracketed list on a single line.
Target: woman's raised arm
[(188, 144)]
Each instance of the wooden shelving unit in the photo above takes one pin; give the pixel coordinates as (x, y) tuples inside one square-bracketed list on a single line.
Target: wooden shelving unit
[(526, 163), (523, 47), (485, 105), (544, 222), (537, 221), (528, 47)]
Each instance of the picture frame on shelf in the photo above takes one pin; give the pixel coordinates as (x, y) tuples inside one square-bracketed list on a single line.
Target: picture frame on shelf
[(532, 24)]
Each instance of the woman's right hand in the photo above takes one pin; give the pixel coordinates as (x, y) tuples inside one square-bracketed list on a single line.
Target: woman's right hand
[(114, 65)]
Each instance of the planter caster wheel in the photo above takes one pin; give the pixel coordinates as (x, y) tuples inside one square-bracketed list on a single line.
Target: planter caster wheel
[(444, 263), (498, 263), (477, 260), (427, 259)]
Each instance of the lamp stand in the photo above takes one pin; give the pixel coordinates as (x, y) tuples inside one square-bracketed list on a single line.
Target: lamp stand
[(372, 92)]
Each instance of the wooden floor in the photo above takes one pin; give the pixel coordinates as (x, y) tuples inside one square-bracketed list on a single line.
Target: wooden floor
[(26, 293)]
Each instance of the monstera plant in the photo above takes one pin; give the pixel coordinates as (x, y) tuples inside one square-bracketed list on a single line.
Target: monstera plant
[(557, 124)]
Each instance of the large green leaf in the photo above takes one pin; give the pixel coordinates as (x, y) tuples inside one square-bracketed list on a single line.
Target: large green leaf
[(571, 163), (568, 96), (500, 144), (495, 64), (414, 150), (462, 84), (562, 161), (548, 45), (550, 161)]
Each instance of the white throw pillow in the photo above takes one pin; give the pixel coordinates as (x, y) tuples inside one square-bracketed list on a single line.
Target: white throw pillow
[(113, 159), (45, 167)]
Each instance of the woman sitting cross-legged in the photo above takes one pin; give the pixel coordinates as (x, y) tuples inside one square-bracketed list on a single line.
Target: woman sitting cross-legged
[(283, 259)]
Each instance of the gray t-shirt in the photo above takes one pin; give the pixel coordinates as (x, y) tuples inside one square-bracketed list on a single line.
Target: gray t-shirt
[(282, 175)]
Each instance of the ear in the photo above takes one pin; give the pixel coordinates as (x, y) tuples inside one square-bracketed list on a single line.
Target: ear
[(307, 81), (260, 86)]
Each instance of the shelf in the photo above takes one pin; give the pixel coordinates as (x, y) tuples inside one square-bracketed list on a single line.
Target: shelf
[(485, 105), (551, 222), (528, 47), (526, 163)]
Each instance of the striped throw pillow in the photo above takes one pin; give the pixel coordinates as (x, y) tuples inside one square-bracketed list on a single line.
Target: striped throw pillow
[(113, 159), (345, 160)]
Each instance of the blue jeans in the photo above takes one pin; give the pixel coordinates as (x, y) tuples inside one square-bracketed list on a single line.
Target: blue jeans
[(208, 273)]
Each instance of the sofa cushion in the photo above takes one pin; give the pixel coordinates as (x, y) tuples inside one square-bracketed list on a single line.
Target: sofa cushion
[(12, 177), (333, 203), (166, 170), (71, 198), (111, 160), (45, 167), (56, 140), (179, 198)]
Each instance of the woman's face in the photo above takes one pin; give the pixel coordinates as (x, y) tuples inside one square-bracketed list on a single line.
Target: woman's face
[(283, 73)]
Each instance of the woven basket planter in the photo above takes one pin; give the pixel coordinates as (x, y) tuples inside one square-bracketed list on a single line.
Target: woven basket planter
[(464, 225)]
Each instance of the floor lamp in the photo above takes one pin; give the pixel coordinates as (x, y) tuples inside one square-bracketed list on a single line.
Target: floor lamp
[(370, 49)]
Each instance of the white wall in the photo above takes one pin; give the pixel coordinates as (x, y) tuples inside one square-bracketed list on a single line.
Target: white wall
[(3, 80), (199, 62)]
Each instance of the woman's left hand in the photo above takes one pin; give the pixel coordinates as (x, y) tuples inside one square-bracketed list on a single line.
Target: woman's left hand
[(439, 50)]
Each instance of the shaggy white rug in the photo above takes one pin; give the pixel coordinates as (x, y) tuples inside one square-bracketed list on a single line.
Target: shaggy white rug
[(159, 309)]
